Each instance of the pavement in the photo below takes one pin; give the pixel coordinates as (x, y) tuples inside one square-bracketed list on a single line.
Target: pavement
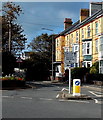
[(64, 94)]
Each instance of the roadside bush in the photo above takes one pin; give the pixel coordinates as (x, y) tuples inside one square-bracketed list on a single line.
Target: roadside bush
[(78, 73), (12, 82), (37, 71), (95, 68), (8, 63), (94, 77)]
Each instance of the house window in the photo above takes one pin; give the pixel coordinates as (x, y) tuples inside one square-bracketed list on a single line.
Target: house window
[(101, 44), (67, 37), (96, 28), (67, 40), (56, 54), (87, 64), (57, 43), (82, 33), (96, 46), (77, 36), (88, 31), (71, 36), (75, 48), (86, 48)]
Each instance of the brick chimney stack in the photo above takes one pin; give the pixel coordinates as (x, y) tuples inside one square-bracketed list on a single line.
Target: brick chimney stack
[(67, 23), (84, 13)]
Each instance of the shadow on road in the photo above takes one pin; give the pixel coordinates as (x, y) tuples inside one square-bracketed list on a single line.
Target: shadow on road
[(47, 84)]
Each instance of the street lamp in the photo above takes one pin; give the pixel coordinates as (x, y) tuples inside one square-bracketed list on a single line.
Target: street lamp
[(52, 51)]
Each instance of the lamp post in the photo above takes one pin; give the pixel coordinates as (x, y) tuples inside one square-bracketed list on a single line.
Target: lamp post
[(52, 52), (9, 43)]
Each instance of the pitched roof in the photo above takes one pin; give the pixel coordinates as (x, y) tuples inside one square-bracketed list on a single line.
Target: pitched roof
[(78, 24), (89, 19)]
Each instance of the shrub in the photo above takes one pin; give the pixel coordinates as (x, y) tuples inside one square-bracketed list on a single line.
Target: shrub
[(94, 77), (78, 73), (8, 63), (95, 68), (12, 81)]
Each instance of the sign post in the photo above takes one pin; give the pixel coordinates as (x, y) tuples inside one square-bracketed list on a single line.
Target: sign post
[(69, 80), (76, 87), (69, 59)]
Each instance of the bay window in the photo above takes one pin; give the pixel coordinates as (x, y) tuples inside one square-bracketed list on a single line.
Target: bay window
[(86, 48)]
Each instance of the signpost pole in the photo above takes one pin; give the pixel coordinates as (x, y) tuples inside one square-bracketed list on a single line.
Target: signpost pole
[(69, 80)]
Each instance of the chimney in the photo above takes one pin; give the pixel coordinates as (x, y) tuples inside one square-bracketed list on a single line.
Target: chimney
[(67, 23), (84, 13)]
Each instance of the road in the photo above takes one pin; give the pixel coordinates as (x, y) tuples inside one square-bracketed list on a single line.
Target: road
[(41, 102)]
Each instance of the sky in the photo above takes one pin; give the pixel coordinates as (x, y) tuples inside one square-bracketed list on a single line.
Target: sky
[(48, 15)]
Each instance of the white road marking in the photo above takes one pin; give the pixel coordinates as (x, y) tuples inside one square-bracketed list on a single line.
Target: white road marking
[(75, 101), (64, 89), (97, 101), (57, 96), (7, 96), (26, 97), (46, 99), (100, 93), (95, 94)]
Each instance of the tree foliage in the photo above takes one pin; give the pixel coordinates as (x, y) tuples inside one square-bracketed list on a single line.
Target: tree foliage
[(95, 68), (39, 64), (10, 13), (42, 47), (8, 63)]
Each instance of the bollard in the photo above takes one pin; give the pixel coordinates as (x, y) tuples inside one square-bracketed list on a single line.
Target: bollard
[(76, 87)]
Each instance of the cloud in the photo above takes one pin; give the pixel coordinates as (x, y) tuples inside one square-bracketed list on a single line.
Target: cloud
[(66, 14), (48, 15)]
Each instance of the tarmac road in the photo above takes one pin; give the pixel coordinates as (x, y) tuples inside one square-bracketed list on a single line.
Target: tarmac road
[(41, 102)]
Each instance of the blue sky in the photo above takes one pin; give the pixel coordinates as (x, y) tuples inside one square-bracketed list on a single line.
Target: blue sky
[(50, 15)]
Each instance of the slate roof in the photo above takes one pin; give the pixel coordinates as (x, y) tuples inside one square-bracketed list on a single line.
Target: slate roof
[(79, 24)]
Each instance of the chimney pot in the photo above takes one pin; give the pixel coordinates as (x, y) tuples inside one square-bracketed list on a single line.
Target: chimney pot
[(84, 13), (67, 23)]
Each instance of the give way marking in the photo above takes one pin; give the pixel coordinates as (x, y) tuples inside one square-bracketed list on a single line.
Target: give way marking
[(97, 94)]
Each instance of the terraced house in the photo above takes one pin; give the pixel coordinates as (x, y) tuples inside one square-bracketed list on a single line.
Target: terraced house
[(83, 38)]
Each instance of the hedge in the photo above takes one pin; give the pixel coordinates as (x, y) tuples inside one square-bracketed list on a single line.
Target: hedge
[(78, 73), (94, 77)]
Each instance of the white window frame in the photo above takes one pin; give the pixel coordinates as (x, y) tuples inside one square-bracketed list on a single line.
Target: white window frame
[(75, 48), (57, 42), (96, 46), (85, 48), (82, 33), (85, 63), (77, 36), (88, 31), (96, 28), (101, 43)]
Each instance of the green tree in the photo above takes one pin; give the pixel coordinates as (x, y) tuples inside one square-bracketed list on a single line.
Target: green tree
[(11, 31), (40, 58), (36, 68), (8, 63), (95, 68), (42, 47)]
